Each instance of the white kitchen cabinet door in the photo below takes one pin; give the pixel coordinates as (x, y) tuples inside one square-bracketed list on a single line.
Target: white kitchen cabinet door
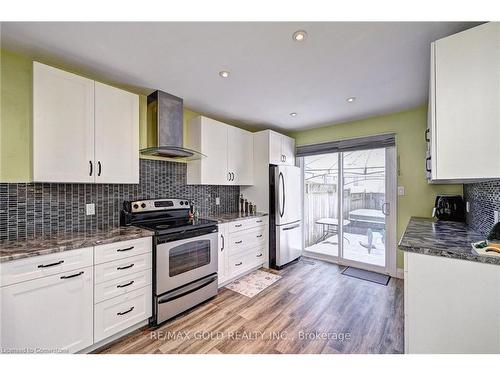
[(116, 135), (240, 156), (222, 256), (63, 126), (288, 150), (275, 148), (210, 138), (466, 131), (451, 306), (53, 313)]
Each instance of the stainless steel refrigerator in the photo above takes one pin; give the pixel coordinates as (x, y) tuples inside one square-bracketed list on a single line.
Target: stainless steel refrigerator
[(285, 215)]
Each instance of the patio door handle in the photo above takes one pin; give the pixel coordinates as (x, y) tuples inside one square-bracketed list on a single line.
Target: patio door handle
[(386, 208)]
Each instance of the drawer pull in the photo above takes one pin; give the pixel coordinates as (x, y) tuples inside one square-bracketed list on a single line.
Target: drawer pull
[(238, 225), (126, 267), (238, 264), (126, 249), (124, 285), (51, 264), (259, 221), (125, 312), (259, 236), (71, 276), (258, 256), (238, 242)]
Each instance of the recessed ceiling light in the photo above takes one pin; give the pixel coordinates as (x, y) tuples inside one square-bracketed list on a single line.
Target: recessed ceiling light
[(351, 99), (293, 114), (224, 73), (299, 36)]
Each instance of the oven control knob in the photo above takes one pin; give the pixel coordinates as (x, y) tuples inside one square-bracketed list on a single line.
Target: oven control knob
[(186, 203), (182, 203), (136, 206), (143, 205)]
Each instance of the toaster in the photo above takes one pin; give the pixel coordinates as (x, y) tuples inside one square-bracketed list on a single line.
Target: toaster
[(449, 208)]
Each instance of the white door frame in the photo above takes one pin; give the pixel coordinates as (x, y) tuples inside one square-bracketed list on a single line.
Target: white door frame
[(391, 232)]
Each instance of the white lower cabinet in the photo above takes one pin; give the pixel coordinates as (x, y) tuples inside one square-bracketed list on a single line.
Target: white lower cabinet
[(68, 301), (49, 314), (451, 305), (243, 246)]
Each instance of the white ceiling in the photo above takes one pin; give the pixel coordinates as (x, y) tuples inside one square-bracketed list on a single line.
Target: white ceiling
[(384, 65)]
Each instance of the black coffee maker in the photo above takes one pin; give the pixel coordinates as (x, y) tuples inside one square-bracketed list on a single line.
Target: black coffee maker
[(449, 208)]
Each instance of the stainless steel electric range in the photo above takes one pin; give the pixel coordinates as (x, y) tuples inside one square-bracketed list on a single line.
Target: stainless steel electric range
[(184, 254)]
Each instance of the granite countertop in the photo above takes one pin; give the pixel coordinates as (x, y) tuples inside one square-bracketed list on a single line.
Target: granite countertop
[(234, 216), (12, 250), (443, 238)]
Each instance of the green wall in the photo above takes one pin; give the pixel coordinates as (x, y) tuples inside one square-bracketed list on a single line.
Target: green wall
[(16, 126), (409, 127)]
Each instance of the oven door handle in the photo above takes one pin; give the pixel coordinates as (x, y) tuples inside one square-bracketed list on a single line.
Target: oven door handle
[(187, 290)]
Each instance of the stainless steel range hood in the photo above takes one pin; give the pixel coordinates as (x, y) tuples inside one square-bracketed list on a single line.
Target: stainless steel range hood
[(165, 116)]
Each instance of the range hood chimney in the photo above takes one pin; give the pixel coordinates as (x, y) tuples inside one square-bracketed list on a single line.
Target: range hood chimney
[(165, 116)]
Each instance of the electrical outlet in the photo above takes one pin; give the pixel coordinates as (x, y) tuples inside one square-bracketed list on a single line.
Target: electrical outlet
[(90, 209), (401, 190), (467, 206), (217, 201), (496, 217)]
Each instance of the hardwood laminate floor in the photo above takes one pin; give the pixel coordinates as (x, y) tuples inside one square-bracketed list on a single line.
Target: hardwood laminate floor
[(313, 308)]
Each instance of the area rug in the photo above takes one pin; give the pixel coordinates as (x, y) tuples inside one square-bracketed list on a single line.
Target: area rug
[(253, 283), (374, 277)]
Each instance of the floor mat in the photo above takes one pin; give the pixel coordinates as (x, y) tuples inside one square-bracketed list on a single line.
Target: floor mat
[(374, 277), (253, 283)]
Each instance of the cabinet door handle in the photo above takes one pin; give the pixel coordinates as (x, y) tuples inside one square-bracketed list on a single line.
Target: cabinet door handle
[(238, 242), (126, 267), (91, 168), (238, 264), (284, 157), (74, 275), (125, 312), (229, 176), (124, 285), (223, 243), (51, 264), (259, 236), (99, 168), (427, 164), (238, 225), (126, 249), (426, 133), (258, 256), (259, 221)]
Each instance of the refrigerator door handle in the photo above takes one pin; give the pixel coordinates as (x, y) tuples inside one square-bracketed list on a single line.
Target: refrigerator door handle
[(282, 209), (294, 227)]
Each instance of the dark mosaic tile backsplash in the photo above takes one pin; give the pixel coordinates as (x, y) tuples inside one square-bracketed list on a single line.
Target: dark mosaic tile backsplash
[(484, 198), (37, 209)]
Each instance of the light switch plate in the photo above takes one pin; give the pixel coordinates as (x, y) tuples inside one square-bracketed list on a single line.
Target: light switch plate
[(401, 190), (90, 209), (217, 201)]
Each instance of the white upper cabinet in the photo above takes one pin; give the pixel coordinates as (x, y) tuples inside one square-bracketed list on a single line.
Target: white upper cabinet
[(281, 149), (465, 106), (116, 135), (228, 153), (240, 156), (63, 126), (83, 131)]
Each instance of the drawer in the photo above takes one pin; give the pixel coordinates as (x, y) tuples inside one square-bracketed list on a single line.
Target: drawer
[(122, 285), (122, 267), (119, 313), (235, 226), (246, 239), (34, 267), (242, 262), (123, 249)]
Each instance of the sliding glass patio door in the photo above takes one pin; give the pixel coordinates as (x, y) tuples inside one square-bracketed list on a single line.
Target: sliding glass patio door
[(349, 207)]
